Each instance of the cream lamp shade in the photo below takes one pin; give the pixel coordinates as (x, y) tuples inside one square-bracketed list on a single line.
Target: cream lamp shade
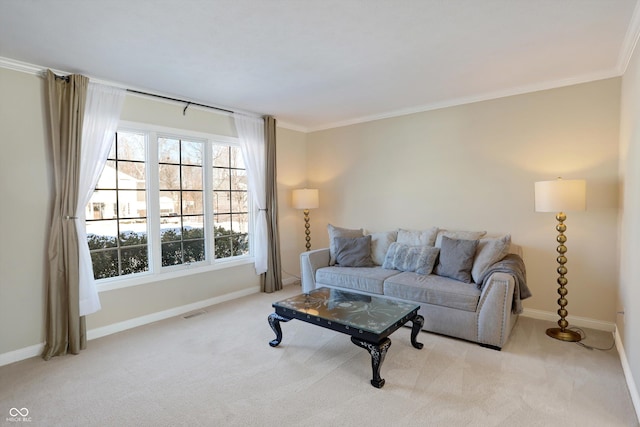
[(305, 198), (560, 195)]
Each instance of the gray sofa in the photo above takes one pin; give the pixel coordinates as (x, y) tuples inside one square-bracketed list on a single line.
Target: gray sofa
[(483, 312)]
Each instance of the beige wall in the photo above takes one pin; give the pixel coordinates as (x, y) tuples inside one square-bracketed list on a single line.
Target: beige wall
[(473, 167), (26, 194), (629, 297), (24, 209)]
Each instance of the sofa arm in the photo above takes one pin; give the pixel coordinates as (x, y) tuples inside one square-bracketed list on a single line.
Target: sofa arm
[(311, 261), (495, 318)]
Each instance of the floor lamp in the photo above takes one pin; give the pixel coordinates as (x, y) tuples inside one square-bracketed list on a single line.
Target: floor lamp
[(306, 198), (559, 196)]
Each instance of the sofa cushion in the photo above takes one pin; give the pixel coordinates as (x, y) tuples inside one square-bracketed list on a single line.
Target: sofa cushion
[(353, 251), (418, 237), (380, 243), (339, 232), (456, 259), (366, 279), (433, 289), (489, 251), (458, 234), (420, 259)]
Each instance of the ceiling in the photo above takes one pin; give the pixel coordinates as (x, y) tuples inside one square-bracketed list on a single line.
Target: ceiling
[(320, 64)]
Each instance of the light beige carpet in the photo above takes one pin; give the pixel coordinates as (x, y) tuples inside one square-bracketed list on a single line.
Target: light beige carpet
[(217, 369)]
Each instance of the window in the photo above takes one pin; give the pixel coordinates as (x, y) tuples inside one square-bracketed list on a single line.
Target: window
[(181, 201), (230, 202), (165, 202), (117, 212)]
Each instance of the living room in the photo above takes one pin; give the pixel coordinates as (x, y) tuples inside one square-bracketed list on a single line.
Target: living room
[(464, 165)]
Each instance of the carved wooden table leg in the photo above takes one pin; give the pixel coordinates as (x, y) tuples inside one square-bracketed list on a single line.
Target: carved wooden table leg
[(418, 322), (274, 322), (378, 352)]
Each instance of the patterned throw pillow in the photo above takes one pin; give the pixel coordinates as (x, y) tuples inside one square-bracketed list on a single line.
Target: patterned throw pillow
[(419, 259)]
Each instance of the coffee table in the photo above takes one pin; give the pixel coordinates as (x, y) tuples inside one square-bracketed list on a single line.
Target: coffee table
[(369, 320)]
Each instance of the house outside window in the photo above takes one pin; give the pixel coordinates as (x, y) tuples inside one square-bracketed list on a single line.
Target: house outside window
[(167, 201)]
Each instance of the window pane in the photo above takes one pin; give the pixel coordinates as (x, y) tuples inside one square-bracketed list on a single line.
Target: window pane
[(221, 202), (169, 176), (105, 264), (192, 203), (221, 179), (239, 180), (222, 224), (108, 176), (220, 156), (135, 260), (171, 254), (193, 227), (130, 146), (168, 150), (194, 250), (192, 153), (171, 232), (102, 234), (240, 244), (239, 202), (131, 203), (102, 205), (240, 223), (133, 233), (169, 203), (131, 174), (192, 177), (236, 158)]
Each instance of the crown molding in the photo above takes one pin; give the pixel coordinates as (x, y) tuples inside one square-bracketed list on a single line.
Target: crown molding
[(630, 40), (476, 98)]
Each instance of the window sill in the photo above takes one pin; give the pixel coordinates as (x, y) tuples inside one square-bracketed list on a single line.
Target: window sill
[(181, 271)]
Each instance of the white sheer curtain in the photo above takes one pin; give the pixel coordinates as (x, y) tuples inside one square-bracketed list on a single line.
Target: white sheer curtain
[(251, 136), (102, 113)]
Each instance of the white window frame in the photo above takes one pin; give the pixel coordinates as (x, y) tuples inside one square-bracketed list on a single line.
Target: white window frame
[(156, 271)]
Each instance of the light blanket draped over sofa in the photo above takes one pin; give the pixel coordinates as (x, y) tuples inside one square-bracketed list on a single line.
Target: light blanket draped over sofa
[(468, 285)]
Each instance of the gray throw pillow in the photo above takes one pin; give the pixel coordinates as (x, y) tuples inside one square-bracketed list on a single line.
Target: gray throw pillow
[(456, 259), (335, 232), (419, 259), (353, 252)]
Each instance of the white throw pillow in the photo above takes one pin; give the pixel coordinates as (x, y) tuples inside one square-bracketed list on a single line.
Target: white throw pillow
[(418, 237), (380, 243), (489, 251)]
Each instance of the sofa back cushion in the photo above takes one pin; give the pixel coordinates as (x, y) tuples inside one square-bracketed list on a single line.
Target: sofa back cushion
[(418, 237)]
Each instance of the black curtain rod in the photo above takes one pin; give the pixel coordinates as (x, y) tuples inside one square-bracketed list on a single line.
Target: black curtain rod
[(179, 100)]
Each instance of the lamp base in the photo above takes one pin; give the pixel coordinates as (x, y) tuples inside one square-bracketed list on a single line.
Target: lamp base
[(565, 335)]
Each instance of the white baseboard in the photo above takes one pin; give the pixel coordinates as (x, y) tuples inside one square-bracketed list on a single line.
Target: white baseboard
[(583, 322), (631, 384), (161, 315), (21, 354), (36, 350)]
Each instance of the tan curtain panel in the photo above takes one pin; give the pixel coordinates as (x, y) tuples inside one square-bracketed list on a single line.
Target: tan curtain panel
[(272, 279), (65, 329)]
